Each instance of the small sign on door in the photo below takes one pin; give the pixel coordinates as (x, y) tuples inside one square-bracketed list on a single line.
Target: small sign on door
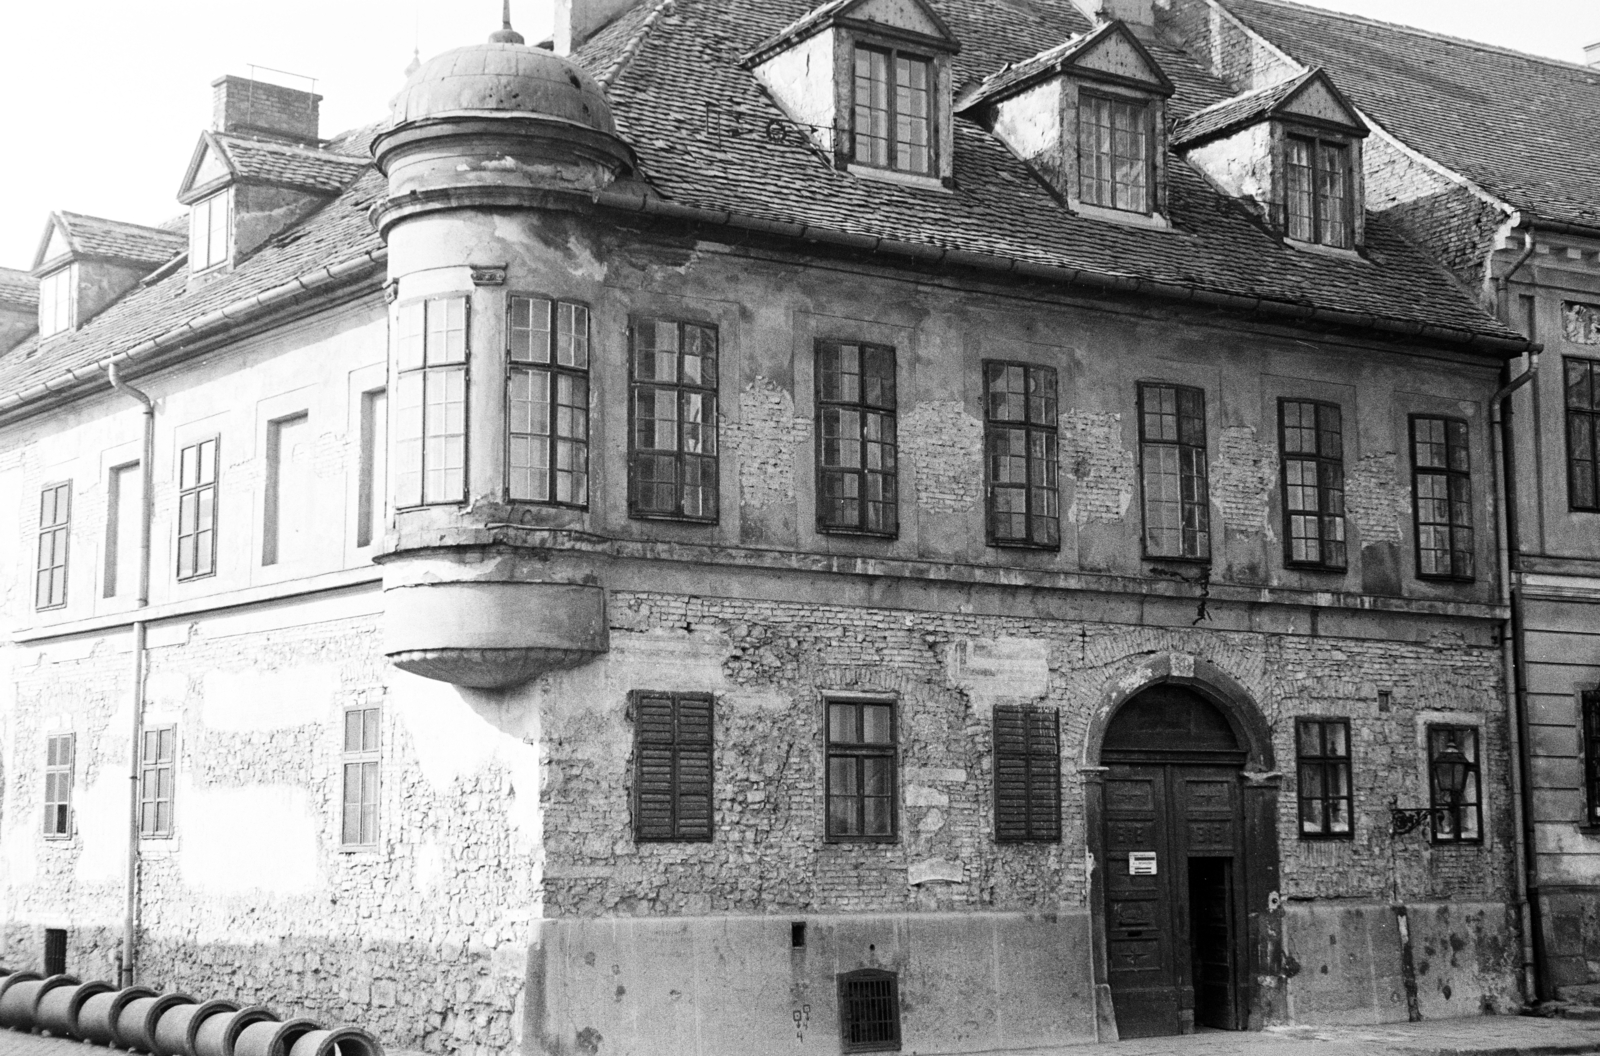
[(1141, 863)]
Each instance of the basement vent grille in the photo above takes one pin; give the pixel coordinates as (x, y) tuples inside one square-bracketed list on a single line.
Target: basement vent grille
[(55, 951), (869, 1011)]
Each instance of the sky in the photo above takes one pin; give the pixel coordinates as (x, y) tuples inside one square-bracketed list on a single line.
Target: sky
[(105, 99)]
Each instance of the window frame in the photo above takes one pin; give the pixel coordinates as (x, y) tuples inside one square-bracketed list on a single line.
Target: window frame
[(894, 53), (372, 469), (214, 484), (147, 767), (59, 534), (118, 550), (1051, 434), (209, 205), (425, 370), (1474, 775), (891, 415), (58, 309), (1589, 754), (1572, 415), (1416, 499), (1318, 142), (1203, 504), (860, 750), (1327, 764), (273, 552), (1334, 464), (844, 981), (1148, 120), (682, 392), (1034, 828), (555, 370), (677, 747), (364, 755), (60, 819)]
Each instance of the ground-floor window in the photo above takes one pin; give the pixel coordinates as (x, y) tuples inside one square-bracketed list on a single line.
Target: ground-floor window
[(869, 1011)]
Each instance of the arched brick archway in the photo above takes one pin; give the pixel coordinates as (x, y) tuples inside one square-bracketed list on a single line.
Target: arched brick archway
[(1259, 947)]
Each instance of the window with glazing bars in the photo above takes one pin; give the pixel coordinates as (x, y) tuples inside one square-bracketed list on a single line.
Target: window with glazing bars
[(672, 767), (1589, 701), (156, 764), (55, 526), (856, 454), (58, 762), (672, 460), (1583, 433), (360, 761), (430, 411), (1172, 454), (1318, 192), (197, 510), (1312, 439), (869, 1011), (1023, 455), (1114, 152), (1027, 774), (1457, 818), (1322, 749), (1441, 486), (893, 110), (861, 770), (547, 414)]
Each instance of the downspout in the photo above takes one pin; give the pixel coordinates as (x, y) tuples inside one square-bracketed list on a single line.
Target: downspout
[(147, 458), (1513, 649)]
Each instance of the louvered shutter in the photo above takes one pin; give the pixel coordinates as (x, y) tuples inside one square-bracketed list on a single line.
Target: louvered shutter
[(672, 767), (1027, 774)]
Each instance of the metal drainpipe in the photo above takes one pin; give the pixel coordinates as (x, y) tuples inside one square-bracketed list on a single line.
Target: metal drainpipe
[(1513, 651), (147, 458)]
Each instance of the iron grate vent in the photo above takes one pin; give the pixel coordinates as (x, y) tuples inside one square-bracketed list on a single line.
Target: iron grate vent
[(869, 1011), (55, 951)]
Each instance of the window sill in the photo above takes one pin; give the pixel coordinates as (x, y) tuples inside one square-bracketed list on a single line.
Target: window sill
[(1149, 221), (1159, 560), (1018, 544), (1313, 837), (1588, 829), (904, 179), (1327, 251), (858, 841), (858, 533), (1332, 570), (1446, 579)]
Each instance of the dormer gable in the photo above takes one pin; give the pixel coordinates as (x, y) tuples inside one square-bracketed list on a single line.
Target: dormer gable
[(844, 72), (1089, 117), (84, 263), (1291, 151)]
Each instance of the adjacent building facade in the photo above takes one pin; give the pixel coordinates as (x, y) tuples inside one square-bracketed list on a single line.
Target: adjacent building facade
[(869, 526)]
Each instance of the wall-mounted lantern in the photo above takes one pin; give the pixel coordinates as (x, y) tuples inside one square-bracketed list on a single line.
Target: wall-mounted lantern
[(1450, 770)]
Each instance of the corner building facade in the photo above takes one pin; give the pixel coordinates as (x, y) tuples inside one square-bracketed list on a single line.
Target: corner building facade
[(795, 636)]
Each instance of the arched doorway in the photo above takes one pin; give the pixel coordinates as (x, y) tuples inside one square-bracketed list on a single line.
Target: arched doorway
[(1176, 850)]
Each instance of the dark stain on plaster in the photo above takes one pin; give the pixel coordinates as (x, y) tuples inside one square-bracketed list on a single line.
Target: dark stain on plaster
[(588, 1041)]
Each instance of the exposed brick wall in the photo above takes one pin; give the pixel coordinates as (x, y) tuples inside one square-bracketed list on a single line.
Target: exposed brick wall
[(1452, 224), (1223, 46), (1102, 471), (944, 445)]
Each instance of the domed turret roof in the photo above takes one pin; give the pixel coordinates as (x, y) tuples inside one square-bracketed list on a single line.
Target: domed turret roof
[(501, 77)]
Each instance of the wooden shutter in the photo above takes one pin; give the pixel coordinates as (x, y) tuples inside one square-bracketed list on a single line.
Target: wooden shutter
[(672, 766), (1027, 774)]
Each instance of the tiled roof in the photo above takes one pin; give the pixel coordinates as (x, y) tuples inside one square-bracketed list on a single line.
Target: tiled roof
[(339, 231), (285, 165), (1519, 126), (688, 66), (1237, 112), (18, 289), (93, 236)]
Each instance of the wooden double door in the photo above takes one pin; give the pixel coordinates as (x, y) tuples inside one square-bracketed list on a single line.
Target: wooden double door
[(1174, 886)]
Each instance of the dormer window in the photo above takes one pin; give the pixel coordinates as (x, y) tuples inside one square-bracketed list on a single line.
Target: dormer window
[(893, 116), (1318, 191), (210, 231), (1114, 156), (58, 301)]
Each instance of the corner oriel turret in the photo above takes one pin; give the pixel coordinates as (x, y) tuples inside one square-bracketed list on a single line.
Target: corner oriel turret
[(492, 154)]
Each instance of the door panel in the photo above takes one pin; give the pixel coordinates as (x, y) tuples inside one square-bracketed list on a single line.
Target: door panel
[(1139, 931)]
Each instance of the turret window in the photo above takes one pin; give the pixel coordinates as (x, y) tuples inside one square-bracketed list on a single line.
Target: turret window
[(1114, 166), (547, 397), (1319, 192), (431, 402), (210, 231), (893, 112)]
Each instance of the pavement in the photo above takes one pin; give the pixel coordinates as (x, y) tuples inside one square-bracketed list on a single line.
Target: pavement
[(1477, 1036)]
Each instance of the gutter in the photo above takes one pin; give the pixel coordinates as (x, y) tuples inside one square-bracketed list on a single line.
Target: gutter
[(130, 923), (996, 264)]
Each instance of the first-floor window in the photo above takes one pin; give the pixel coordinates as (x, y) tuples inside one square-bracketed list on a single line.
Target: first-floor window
[(547, 402), (1583, 433), (58, 784), (1457, 816), (1024, 459), (672, 767), (672, 455), (857, 468), (1027, 774), (360, 761), (157, 758), (197, 510), (373, 468), (1441, 483), (430, 419), (55, 525), (1590, 703), (1311, 435), (1172, 455), (861, 770), (1322, 749)]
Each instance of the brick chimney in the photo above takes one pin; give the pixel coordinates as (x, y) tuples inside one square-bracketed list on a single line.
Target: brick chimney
[(270, 111), (578, 20), (1591, 55), (1139, 15)]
